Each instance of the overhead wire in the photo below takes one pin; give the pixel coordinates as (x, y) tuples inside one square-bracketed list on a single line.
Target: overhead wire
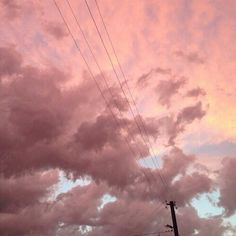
[(96, 62), (97, 84), (124, 76), (113, 67), (101, 72), (130, 93), (146, 140)]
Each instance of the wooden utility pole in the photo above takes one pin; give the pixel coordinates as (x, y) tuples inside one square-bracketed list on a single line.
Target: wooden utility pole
[(172, 209)]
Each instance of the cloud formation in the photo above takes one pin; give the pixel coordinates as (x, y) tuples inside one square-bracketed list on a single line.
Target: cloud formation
[(38, 123), (166, 89), (12, 9), (192, 57), (56, 30), (227, 192), (142, 80), (54, 121), (196, 92), (173, 126)]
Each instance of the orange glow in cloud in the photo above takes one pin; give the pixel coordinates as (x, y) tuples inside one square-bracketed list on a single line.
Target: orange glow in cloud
[(64, 114)]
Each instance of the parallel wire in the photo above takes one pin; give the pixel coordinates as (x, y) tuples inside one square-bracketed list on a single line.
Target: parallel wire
[(97, 84), (147, 143), (132, 97), (113, 68), (125, 78), (98, 66), (104, 78)]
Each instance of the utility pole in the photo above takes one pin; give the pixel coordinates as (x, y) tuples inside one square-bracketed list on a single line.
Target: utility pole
[(171, 228), (172, 209)]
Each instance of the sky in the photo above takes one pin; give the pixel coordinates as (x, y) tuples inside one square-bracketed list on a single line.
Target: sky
[(111, 108)]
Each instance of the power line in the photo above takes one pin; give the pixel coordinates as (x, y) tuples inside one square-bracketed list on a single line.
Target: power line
[(123, 74), (97, 84), (100, 70), (129, 91), (139, 128), (147, 143), (96, 62)]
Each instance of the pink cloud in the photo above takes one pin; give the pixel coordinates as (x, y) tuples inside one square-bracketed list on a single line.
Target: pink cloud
[(227, 189), (12, 8), (174, 126), (166, 90), (192, 57), (144, 77), (53, 117), (56, 30), (196, 92), (11, 61), (27, 190)]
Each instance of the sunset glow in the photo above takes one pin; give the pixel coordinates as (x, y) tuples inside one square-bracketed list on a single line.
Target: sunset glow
[(110, 108)]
